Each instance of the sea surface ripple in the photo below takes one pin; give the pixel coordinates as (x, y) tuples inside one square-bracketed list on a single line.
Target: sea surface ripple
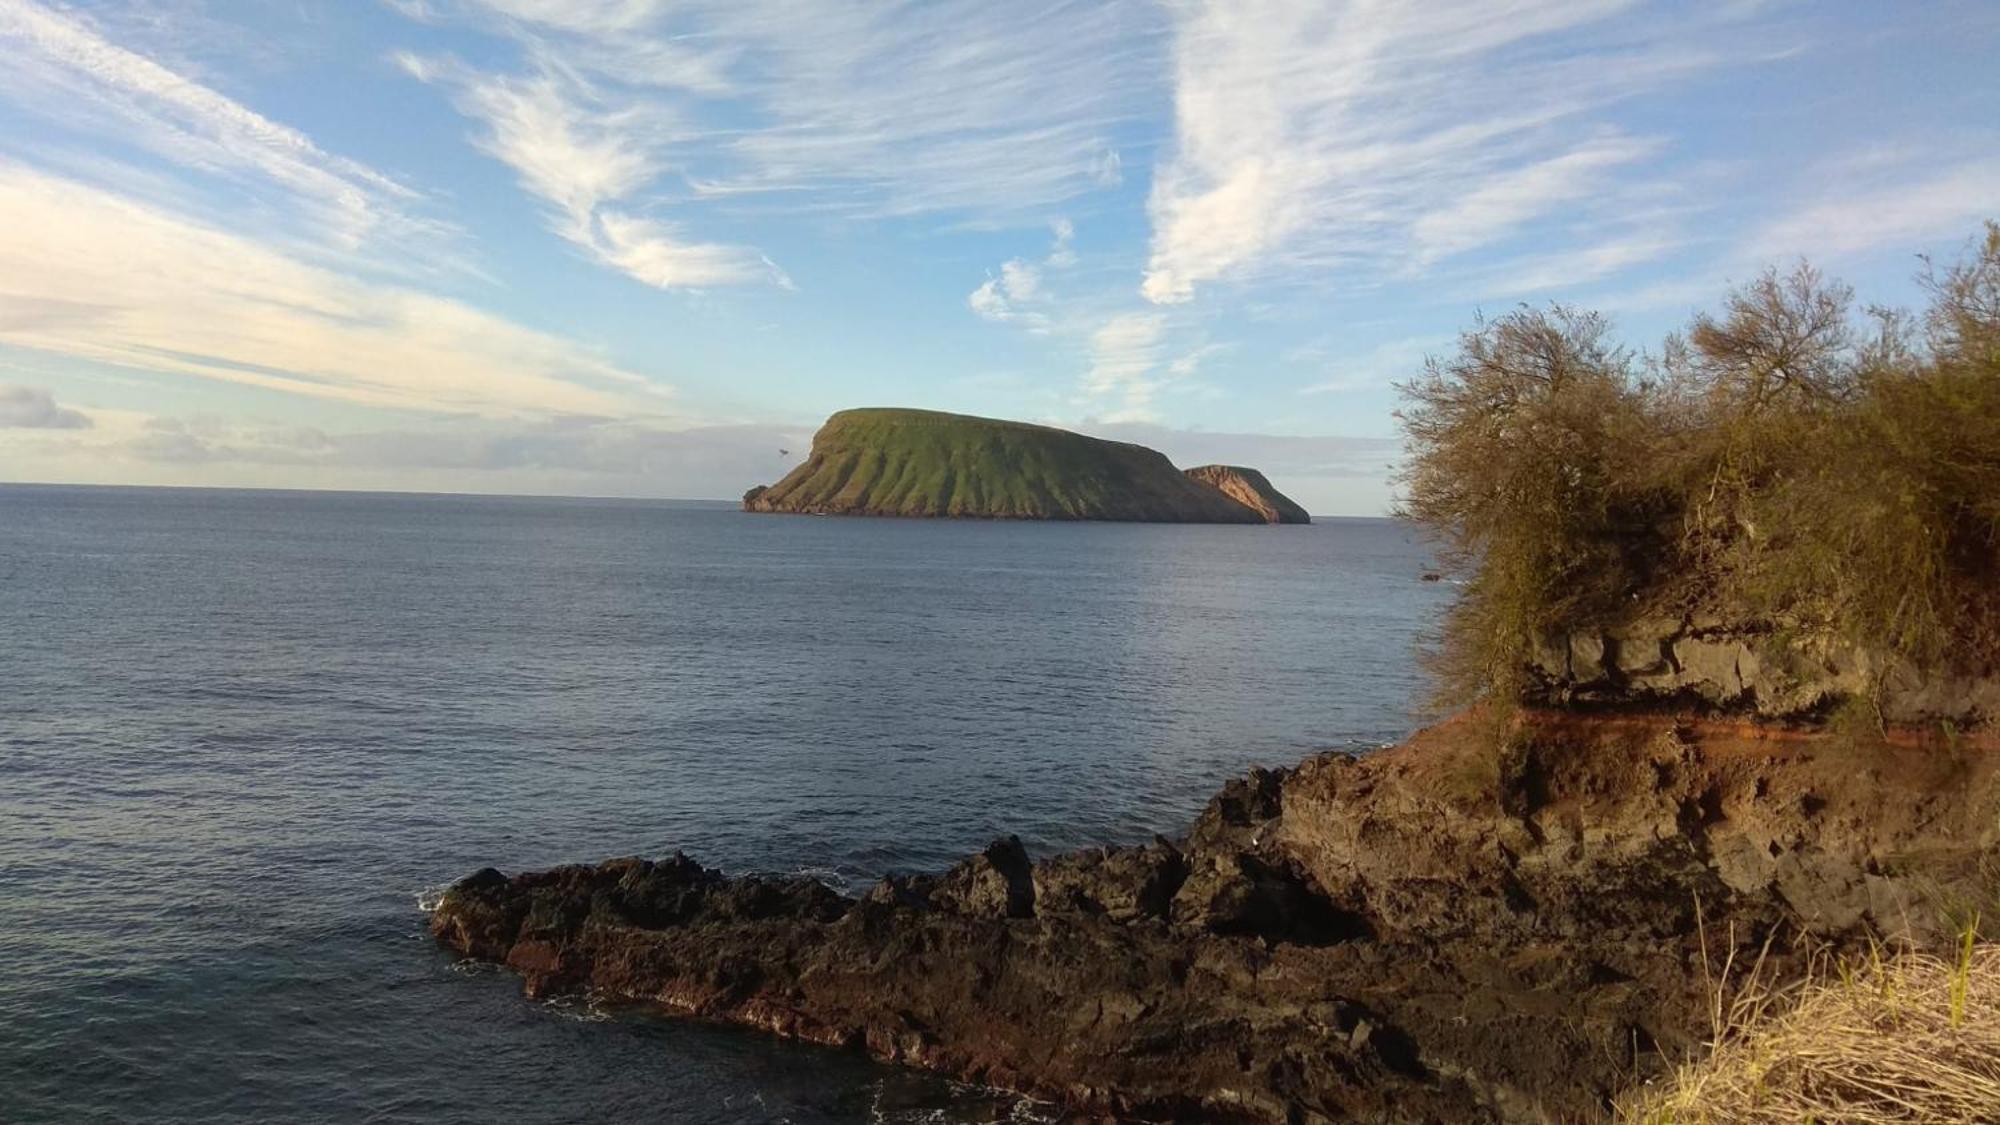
[(243, 735)]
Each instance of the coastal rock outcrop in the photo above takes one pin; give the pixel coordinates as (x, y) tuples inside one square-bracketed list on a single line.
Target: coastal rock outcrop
[(1496, 921), (1766, 671), (887, 462), (1251, 489)]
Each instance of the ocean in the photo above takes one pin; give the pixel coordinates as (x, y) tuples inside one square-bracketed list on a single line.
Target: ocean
[(244, 736)]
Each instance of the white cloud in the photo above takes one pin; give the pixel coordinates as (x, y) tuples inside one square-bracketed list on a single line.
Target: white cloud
[(59, 66), (96, 276), (1314, 135), (1525, 277), (1907, 208), (1899, 201), (1012, 297), (1124, 350), (990, 111), (583, 155), (1507, 199), (1063, 253), (654, 252), (953, 106), (1023, 281), (999, 299), (1125, 354), (1108, 170), (582, 16), (33, 408), (1188, 364)]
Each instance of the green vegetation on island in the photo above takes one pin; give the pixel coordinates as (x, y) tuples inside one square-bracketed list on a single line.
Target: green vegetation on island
[(893, 462), (1824, 483)]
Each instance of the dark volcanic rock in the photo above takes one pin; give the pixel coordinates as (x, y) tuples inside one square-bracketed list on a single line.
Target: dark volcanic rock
[(1483, 924)]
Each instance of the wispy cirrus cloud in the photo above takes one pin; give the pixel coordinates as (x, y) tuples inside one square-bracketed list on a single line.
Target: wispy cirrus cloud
[(188, 234), (588, 155), (1318, 136), (1126, 354), (1878, 204), (1532, 275), (671, 113), (98, 276), (1507, 199), (1871, 202), (62, 68)]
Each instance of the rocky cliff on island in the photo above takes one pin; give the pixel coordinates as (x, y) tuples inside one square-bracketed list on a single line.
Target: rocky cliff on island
[(1251, 489), (885, 462), (1501, 920)]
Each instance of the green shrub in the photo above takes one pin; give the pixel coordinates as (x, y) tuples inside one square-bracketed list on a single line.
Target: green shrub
[(1530, 459), (1778, 466)]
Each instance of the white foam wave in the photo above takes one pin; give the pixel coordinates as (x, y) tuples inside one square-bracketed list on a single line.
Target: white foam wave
[(428, 898), (588, 1008)]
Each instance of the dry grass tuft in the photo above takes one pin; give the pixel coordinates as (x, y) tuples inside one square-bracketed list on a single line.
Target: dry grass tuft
[(1893, 1037)]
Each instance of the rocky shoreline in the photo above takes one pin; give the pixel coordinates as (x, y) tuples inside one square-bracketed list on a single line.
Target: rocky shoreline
[(1494, 921)]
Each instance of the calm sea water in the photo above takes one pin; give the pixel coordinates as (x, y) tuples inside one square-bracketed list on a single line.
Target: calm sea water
[(242, 733)]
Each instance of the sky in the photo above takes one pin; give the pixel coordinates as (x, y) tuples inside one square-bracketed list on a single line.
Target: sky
[(643, 247)]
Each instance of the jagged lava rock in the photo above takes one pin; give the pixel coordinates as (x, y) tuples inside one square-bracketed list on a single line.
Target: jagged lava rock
[(1488, 923)]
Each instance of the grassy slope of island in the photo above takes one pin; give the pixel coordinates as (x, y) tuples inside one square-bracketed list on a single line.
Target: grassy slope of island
[(892, 462)]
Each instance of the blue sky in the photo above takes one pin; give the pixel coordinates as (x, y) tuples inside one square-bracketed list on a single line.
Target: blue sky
[(636, 247)]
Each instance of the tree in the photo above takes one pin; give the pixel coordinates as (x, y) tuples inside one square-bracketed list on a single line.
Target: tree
[(1523, 450), (1778, 469)]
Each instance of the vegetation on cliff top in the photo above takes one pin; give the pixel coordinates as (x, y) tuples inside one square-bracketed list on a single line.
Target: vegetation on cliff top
[(923, 463), (1784, 462)]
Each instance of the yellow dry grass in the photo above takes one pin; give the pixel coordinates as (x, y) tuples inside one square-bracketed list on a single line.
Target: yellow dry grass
[(1892, 1037)]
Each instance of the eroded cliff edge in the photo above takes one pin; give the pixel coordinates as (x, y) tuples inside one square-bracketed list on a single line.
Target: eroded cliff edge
[(1490, 922), (1251, 489), (1737, 665)]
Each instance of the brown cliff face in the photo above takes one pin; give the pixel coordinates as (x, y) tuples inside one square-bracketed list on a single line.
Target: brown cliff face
[(1771, 672), (1251, 489), (1483, 924)]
